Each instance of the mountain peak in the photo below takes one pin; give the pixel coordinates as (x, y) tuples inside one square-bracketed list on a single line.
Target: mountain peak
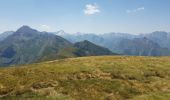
[(86, 41), (61, 33), (25, 26), (26, 29)]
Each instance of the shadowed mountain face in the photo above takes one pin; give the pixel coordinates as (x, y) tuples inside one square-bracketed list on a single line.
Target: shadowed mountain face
[(27, 45), (92, 49)]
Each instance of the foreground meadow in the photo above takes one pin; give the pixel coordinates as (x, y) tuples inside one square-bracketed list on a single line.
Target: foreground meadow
[(89, 78)]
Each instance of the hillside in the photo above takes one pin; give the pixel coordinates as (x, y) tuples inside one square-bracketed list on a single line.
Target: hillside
[(89, 78), (89, 48)]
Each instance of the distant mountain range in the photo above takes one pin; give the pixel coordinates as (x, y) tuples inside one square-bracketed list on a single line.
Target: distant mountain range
[(28, 45), (151, 44)]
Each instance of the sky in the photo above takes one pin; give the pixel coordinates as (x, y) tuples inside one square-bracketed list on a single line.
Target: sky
[(87, 16)]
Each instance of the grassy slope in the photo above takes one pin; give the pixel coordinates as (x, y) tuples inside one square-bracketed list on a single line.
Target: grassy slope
[(89, 78)]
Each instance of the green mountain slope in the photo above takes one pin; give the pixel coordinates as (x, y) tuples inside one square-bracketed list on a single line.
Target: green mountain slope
[(89, 78), (88, 48)]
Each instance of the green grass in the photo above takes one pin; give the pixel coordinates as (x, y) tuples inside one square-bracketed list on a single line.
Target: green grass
[(89, 78)]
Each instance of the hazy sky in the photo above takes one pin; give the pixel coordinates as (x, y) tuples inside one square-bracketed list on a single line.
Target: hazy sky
[(91, 16)]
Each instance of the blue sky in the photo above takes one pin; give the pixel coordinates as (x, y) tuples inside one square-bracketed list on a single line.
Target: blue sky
[(89, 16)]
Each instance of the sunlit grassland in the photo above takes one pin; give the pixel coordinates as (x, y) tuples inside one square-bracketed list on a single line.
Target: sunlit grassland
[(89, 78)]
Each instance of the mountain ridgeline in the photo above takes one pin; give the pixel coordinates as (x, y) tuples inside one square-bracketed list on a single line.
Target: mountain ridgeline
[(28, 45)]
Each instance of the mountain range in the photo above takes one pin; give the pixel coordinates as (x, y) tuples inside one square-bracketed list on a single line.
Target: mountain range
[(151, 44), (28, 45)]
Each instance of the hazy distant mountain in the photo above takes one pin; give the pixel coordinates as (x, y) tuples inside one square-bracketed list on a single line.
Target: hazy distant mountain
[(77, 37), (94, 38), (153, 44), (142, 47), (5, 35), (162, 38), (112, 40), (108, 40)]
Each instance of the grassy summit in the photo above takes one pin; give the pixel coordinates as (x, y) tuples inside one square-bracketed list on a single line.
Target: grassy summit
[(89, 78)]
